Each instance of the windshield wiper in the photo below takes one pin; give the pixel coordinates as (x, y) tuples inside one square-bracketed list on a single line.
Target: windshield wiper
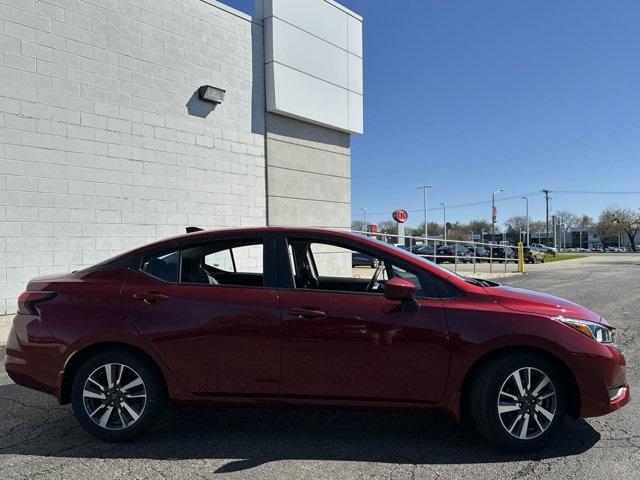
[(480, 282)]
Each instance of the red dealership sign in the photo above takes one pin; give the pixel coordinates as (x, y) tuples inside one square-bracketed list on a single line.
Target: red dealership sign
[(400, 216)]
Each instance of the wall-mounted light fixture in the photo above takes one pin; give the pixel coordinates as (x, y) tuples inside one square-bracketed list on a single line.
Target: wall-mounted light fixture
[(211, 94)]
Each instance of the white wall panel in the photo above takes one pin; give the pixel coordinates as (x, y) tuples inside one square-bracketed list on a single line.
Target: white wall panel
[(288, 93), (354, 43), (355, 74), (355, 112), (313, 62), (304, 52), (318, 17)]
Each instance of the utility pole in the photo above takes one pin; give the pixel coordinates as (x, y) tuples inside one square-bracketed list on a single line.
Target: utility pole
[(546, 198), (424, 192), (526, 199), (444, 214), (493, 212), (366, 225)]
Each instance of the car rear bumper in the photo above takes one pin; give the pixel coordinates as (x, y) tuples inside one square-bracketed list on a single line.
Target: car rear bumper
[(33, 357)]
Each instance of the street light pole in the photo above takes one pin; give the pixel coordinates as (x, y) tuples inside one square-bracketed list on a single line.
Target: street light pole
[(366, 225), (526, 200), (424, 192), (493, 209), (444, 215)]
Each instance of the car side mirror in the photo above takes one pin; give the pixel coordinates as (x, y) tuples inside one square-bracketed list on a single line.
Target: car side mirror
[(402, 290)]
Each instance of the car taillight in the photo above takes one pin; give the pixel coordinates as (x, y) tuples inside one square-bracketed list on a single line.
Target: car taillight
[(28, 300)]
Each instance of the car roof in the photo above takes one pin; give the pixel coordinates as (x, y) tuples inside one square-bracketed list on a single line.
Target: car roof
[(247, 231)]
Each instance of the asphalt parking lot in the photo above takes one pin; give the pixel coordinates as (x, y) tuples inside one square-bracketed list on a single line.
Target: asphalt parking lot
[(40, 439)]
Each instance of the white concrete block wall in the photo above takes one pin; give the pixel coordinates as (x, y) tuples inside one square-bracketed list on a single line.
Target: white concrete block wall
[(98, 151)]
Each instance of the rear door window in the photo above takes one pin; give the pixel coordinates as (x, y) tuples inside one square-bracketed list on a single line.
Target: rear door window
[(234, 263)]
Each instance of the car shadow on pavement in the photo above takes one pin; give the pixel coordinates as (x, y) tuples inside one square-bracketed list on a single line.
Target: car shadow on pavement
[(32, 423)]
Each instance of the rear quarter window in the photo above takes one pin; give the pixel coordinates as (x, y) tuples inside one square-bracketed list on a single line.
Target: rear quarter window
[(162, 266)]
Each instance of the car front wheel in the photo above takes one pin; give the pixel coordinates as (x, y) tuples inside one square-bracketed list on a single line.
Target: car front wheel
[(518, 401), (117, 395)]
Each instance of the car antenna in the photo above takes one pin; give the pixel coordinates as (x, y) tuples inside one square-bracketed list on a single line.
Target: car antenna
[(194, 229)]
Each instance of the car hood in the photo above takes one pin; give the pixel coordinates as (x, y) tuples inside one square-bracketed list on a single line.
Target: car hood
[(528, 301)]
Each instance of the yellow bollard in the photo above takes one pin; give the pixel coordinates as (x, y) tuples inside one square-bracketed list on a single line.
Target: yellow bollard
[(520, 257)]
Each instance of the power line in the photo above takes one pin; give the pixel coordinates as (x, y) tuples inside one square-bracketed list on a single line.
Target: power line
[(462, 205), (597, 192), (514, 197)]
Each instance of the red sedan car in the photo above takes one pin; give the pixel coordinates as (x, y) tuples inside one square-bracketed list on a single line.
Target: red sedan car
[(277, 316)]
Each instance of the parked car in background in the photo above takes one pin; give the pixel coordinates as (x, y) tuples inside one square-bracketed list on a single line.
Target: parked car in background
[(533, 255), (363, 260), (503, 252), (546, 249), (451, 253), (423, 250), (258, 316), (480, 252)]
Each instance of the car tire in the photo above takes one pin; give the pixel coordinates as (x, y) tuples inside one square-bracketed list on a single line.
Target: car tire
[(121, 405), (509, 418), (375, 263)]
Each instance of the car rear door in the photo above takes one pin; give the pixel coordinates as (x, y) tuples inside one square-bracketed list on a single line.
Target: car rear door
[(345, 344), (222, 338)]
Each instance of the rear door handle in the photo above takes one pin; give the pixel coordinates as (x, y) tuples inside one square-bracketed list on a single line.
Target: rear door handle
[(308, 313), (150, 298)]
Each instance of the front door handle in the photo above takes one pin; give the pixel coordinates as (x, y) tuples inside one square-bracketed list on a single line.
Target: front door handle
[(308, 313), (150, 298)]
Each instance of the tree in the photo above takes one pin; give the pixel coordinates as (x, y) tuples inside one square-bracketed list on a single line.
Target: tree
[(389, 227), (619, 221), (476, 226), (418, 231), (358, 225), (585, 221), (516, 224), (566, 220)]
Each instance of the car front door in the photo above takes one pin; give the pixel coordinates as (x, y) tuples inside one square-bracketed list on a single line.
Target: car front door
[(344, 339), (216, 325)]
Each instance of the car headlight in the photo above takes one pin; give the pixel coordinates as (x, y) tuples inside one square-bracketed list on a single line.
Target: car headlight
[(596, 331)]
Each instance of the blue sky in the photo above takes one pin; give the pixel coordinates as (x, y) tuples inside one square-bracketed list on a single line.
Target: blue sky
[(472, 96)]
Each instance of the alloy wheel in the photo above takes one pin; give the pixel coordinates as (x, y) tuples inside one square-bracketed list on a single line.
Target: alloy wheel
[(527, 403), (114, 396)]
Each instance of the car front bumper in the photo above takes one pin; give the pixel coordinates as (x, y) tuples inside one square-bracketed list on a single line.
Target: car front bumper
[(602, 381)]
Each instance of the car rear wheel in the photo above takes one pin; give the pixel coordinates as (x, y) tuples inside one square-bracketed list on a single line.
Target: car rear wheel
[(375, 263), (117, 395), (518, 402)]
